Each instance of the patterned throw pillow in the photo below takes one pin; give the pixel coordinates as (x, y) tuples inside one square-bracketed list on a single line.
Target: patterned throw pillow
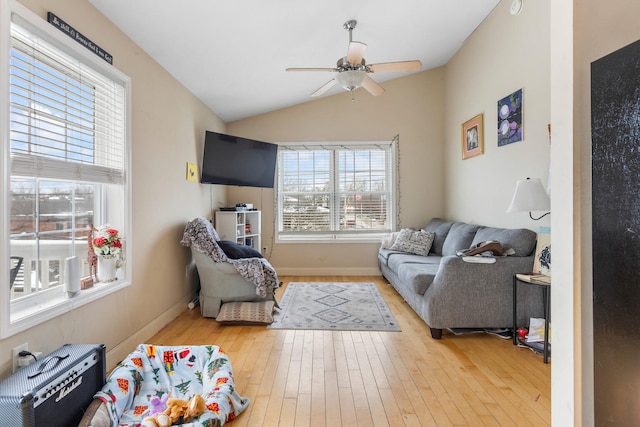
[(414, 241), (246, 313)]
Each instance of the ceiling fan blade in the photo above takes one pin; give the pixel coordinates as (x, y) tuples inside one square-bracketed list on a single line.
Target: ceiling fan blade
[(356, 53), (312, 69), (328, 85), (372, 87), (395, 66)]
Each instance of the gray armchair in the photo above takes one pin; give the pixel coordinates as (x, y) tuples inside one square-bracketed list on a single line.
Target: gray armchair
[(223, 279)]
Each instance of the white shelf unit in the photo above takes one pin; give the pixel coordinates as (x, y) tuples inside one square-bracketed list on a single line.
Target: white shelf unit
[(242, 227)]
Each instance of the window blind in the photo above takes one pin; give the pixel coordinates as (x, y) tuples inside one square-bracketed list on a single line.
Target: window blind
[(67, 119), (335, 189)]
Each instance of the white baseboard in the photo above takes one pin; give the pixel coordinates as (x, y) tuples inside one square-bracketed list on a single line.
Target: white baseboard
[(142, 335), (328, 271)]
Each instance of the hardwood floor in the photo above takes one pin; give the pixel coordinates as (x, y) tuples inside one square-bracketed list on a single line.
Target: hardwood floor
[(338, 378)]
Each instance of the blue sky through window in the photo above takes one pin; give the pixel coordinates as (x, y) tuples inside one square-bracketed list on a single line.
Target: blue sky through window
[(52, 113)]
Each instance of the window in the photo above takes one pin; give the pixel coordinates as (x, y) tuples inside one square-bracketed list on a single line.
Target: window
[(334, 191), (68, 156)]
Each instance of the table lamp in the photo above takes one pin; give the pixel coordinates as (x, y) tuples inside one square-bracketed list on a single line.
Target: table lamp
[(530, 196)]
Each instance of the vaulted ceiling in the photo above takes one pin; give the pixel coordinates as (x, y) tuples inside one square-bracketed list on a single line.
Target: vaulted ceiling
[(233, 54)]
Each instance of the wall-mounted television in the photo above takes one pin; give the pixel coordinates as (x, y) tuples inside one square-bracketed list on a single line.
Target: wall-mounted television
[(231, 160)]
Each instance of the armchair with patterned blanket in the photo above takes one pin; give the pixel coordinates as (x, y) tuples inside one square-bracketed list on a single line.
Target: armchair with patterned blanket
[(239, 274)]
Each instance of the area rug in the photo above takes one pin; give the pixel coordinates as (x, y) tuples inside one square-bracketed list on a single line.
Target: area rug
[(339, 306)]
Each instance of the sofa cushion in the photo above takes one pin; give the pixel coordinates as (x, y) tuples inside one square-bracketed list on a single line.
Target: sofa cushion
[(384, 254), (459, 237), (441, 228), (246, 313), (413, 241), (418, 276), (521, 240), (389, 240), (396, 259)]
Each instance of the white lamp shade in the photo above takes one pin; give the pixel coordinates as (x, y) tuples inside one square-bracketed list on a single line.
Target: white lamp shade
[(529, 196)]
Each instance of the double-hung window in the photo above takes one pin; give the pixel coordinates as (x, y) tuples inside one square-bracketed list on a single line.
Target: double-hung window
[(336, 191), (67, 152)]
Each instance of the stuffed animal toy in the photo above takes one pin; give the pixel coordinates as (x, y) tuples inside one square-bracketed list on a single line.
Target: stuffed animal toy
[(196, 407), (160, 420), (158, 404), (178, 411)]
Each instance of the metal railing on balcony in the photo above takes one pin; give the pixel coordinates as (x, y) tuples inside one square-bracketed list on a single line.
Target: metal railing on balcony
[(43, 267)]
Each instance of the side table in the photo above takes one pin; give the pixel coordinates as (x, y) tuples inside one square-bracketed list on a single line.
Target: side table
[(528, 279)]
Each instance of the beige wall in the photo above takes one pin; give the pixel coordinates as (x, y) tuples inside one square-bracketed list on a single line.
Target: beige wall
[(504, 54), (168, 128), (411, 107)]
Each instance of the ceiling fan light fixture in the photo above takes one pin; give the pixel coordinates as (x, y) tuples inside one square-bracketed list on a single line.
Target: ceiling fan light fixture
[(351, 79)]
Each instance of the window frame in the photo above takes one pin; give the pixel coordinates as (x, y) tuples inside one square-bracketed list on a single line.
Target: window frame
[(333, 236), (43, 306)]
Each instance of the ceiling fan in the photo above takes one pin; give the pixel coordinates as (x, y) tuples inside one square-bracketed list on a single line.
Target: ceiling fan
[(352, 69)]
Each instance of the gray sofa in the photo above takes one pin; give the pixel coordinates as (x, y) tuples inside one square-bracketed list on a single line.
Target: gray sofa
[(448, 292)]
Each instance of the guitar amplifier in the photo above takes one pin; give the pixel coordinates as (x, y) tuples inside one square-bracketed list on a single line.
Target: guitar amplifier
[(53, 391)]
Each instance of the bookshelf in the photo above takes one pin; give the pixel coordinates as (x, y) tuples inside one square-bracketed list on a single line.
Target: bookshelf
[(242, 227)]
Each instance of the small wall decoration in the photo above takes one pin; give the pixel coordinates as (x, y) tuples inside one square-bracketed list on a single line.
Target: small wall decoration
[(192, 172), (542, 260), (79, 37), (472, 137), (510, 119)]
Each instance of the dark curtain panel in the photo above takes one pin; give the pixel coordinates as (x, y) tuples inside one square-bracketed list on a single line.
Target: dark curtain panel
[(615, 122)]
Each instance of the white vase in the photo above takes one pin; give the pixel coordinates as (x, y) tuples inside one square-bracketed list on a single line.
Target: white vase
[(107, 268)]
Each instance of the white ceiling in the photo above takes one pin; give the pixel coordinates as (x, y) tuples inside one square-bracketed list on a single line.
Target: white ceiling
[(232, 54)]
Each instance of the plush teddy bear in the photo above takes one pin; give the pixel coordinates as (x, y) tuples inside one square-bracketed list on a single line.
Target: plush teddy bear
[(178, 411), (160, 420), (196, 407)]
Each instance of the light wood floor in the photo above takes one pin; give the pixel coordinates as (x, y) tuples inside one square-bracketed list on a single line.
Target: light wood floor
[(337, 378)]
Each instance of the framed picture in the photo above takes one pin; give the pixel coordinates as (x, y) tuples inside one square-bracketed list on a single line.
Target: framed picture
[(192, 172), (510, 127), (472, 137), (542, 260)]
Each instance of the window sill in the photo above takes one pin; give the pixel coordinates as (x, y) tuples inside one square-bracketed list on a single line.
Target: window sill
[(369, 238), (25, 315)]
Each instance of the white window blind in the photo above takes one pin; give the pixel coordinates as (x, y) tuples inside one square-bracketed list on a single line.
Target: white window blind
[(67, 120), (334, 191), (68, 151)]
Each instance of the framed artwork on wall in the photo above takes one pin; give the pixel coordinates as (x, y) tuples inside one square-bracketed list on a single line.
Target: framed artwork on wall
[(192, 172), (542, 260), (510, 127), (472, 137)]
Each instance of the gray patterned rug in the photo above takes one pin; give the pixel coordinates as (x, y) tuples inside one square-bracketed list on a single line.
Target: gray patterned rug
[(338, 306)]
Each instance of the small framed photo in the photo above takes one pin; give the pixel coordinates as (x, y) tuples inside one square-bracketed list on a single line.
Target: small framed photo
[(542, 260), (472, 137)]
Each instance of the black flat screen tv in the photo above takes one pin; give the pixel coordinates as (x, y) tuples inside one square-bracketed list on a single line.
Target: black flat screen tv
[(231, 160)]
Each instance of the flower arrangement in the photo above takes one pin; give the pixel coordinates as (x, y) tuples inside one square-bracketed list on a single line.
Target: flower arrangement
[(107, 241)]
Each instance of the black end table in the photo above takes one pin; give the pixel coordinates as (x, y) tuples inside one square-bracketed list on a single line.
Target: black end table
[(530, 280)]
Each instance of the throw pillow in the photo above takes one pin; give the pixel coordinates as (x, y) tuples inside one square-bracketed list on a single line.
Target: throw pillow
[(246, 313), (414, 241), (389, 240), (234, 250)]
